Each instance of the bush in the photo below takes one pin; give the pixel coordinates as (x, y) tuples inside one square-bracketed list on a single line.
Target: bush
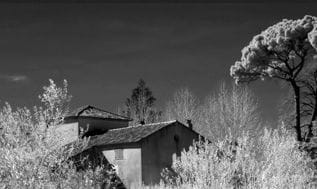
[(272, 161), (29, 159)]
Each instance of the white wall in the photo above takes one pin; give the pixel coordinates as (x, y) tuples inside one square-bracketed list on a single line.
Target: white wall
[(128, 169)]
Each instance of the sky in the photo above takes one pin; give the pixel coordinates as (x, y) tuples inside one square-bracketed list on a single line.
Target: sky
[(103, 49)]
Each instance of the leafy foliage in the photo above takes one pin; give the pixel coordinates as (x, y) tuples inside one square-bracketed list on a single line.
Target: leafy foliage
[(29, 157), (281, 51), (271, 161)]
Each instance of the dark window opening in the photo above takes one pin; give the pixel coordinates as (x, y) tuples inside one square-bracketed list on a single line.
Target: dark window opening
[(176, 140)]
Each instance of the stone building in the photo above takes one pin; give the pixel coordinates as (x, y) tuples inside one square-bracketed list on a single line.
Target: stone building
[(139, 153)]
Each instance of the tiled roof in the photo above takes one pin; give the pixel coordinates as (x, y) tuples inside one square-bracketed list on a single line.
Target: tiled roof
[(127, 134), (91, 111)]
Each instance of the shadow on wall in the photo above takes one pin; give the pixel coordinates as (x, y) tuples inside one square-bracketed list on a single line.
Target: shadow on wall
[(92, 159)]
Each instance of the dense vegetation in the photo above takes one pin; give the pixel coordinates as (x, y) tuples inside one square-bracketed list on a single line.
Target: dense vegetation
[(271, 161), (30, 153), (242, 153)]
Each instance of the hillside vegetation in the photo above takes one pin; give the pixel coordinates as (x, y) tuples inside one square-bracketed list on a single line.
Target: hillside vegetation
[(272, 159)]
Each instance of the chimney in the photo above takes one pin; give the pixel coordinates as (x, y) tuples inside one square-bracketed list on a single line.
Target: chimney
[(142, 122), (189, 123)]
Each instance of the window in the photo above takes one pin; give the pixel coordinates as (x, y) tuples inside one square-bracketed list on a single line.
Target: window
[(176, 140), (118, 154)]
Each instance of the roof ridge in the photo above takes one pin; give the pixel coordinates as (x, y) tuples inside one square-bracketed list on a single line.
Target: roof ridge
[(81, 109), (162, 122), (145, 125), (109, 112)]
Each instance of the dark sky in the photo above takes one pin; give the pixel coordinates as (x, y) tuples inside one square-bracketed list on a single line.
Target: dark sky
[(103, 49)]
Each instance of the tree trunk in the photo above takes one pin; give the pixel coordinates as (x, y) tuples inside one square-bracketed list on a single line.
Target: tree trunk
[(297, 109), (314, 114), (313, 118)]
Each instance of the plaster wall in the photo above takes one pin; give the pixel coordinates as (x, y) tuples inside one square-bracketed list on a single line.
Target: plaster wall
[(158, 150), (129, 168)]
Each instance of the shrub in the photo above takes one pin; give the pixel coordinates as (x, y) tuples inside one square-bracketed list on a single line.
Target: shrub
[(28, 157), (274, 160)]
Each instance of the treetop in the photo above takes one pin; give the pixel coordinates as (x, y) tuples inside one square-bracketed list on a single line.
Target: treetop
[(278, 51)]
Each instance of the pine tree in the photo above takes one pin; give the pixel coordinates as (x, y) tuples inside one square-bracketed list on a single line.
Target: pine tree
[(140, 105)]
